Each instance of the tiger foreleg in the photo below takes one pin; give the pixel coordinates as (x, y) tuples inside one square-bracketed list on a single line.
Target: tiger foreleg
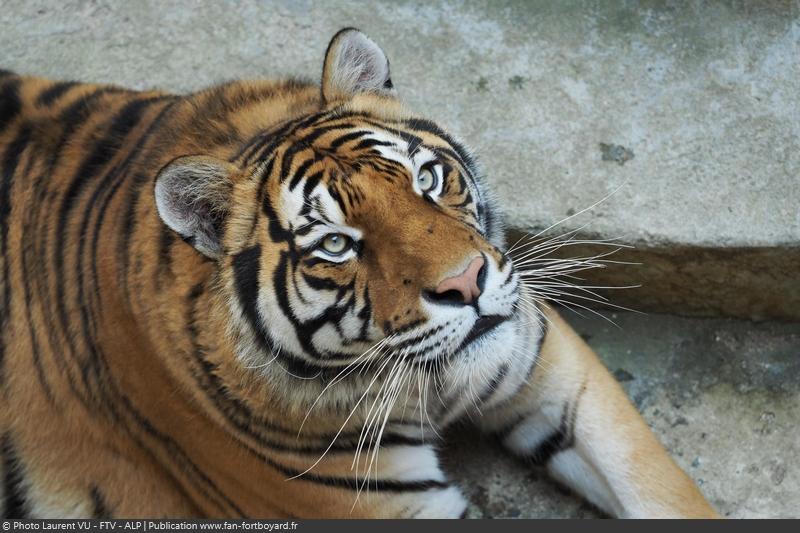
[(576, 420)]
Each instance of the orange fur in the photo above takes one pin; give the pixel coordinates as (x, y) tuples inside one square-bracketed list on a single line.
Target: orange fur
[(132, 383)]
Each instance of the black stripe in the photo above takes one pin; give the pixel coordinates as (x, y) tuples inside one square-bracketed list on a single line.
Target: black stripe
[(466, 201), (412, 140), (333, 190), (128, 226), (304, 143), (311, 183), (71, 120), (564, 436), (365, 314), (127, 120), (180, 457), (264, 144), (380, 485), (246, 268), (347, 137), (15, 505), (263, 176), (99, 155), (301, 171), (309, 262), (277, 233), (430, 127), (100, 507), (389, 168), (10, 104), (414, 340), (11, 160), (30, 274), (558, 441), (552, 445), (165, 243), (269, 141), (534, 361), (118, 176), (370, 143), (545, 328), (496, 381), (49, 96)]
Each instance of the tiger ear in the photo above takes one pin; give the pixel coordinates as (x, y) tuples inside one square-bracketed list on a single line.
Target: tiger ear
[(193, 197), (354, 64)]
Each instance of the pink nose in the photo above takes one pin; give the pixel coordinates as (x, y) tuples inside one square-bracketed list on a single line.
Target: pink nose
[(466, 283)]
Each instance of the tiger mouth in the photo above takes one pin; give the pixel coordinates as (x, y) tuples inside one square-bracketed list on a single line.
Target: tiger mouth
[(483, 326)]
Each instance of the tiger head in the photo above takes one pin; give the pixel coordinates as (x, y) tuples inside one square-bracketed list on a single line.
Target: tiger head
[(356, 235)]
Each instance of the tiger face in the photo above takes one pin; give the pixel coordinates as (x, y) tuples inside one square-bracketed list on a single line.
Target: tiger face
[(355, 234)]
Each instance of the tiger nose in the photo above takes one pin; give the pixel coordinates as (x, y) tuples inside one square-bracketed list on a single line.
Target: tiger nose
[(463, 286)]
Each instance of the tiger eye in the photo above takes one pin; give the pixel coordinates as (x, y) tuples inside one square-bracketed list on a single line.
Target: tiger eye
[(426, 179), (336, 243)]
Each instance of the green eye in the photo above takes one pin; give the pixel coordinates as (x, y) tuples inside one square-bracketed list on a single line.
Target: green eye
[(426, 179), (336, 243)]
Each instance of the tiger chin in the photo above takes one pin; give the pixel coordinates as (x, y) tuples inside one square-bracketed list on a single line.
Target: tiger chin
[(268, 299)]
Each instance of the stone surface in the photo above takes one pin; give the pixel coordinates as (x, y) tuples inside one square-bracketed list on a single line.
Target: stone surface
[(722, 395)]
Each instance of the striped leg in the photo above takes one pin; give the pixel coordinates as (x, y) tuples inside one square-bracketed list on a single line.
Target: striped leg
[(576, 420)]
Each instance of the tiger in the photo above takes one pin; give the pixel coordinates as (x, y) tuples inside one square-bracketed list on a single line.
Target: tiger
[(269, 299)]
